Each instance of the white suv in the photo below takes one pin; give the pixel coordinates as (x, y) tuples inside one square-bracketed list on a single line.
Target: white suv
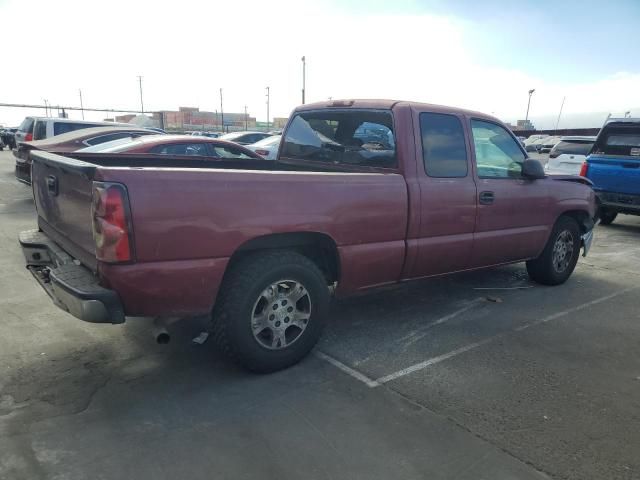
[(567, 157), (47, 127)]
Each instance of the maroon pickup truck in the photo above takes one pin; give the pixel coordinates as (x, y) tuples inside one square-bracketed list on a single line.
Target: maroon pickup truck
[(363, 194)]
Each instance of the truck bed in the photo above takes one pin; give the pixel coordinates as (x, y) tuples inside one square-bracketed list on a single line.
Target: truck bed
[(190, 216)]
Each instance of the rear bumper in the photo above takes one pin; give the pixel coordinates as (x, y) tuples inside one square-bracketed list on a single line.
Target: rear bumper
[(72, 287), (620, 202)]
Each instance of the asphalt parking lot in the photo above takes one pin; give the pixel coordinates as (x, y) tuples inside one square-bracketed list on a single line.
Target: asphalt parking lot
[(476, 376)]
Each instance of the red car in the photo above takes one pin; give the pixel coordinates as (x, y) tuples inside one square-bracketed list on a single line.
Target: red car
[(175, 145), (70, 142)]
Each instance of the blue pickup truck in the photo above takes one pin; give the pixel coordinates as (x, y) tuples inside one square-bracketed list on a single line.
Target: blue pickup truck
[(614, 168)]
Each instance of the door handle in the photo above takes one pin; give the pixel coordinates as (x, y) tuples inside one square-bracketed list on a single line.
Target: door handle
[(52, 185), (486, 198)]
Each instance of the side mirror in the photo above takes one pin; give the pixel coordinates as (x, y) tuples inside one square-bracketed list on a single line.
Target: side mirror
[(533, 169)]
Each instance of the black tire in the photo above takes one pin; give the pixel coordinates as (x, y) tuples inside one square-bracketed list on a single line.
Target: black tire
[(552, 269), (607, 217), (235, 308)]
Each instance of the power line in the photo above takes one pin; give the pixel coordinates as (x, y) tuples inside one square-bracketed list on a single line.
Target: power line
[(48, 106)]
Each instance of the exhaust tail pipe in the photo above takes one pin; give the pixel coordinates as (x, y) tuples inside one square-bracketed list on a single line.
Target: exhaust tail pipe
[(160, 332)]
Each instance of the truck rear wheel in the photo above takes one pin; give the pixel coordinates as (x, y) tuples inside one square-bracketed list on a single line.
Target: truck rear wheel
[(270, 310), (559, 257), (607, 216)]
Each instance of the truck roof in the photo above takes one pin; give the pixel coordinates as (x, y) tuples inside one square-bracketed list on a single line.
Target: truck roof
[(387, 104)]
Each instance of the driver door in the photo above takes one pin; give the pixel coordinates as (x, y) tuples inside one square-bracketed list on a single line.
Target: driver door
[(513, 217)]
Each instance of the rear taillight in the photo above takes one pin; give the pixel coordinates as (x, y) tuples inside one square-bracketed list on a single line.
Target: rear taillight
[(584, 169), (263, 153), (111, 222), (28, 137)]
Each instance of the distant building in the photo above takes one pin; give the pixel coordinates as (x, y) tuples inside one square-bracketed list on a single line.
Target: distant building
[(524, 125), (191, 118), (279, 122)]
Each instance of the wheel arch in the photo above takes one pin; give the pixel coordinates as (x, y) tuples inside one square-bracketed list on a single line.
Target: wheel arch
[(318, 247), (582, 217)]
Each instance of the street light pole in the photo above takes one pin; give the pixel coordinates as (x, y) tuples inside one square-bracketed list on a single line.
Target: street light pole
[(46, 107), (304, 77), (140, 83), (221, 112), (81, 106), (529, 103), (246, 118), (560, 113), (268, 98)]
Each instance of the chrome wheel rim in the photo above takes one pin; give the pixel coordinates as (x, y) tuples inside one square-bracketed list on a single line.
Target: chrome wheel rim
[(563, 251), (281, 314)]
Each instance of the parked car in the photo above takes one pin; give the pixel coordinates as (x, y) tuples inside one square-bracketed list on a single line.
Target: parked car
[(70, 142), (531, 144), (47, 127), (244, 138), (548, 143), (206, 134), (267, 148), (614, 168), (261, 247), (567, 157), (176, 145), (25, 130)]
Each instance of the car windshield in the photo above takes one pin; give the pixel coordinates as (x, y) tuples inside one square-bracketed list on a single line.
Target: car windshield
[(26, 125)]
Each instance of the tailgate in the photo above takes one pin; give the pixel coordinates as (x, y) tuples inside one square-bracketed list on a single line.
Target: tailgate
[(62, 189), (617, 174)]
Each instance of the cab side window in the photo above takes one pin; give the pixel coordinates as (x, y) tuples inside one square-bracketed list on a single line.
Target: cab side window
[(498, 155), (444, 152)]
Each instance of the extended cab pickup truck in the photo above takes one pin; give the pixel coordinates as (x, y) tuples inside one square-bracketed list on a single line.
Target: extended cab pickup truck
[(614, 168), (364, 193)]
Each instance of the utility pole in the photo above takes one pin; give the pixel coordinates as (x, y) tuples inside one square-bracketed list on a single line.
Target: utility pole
[(221, 112), (560, 113), (46, 107), (304, 77), (529, 103), (140, 83), (246, 118), (81, 106), (268, 98)]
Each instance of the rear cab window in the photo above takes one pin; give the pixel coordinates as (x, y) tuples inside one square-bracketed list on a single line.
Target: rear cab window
[(619, 139), (348, 137)]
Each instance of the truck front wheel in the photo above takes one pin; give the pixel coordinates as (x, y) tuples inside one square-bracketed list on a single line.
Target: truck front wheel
[(559, 257), (270, 310)]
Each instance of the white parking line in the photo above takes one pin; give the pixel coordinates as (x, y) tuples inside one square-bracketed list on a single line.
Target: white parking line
[(471, 346), (422, 331), (348, 370), (453, 353)]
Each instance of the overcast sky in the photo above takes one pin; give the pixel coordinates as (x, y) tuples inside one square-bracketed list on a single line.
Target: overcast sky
[(484, 55)]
